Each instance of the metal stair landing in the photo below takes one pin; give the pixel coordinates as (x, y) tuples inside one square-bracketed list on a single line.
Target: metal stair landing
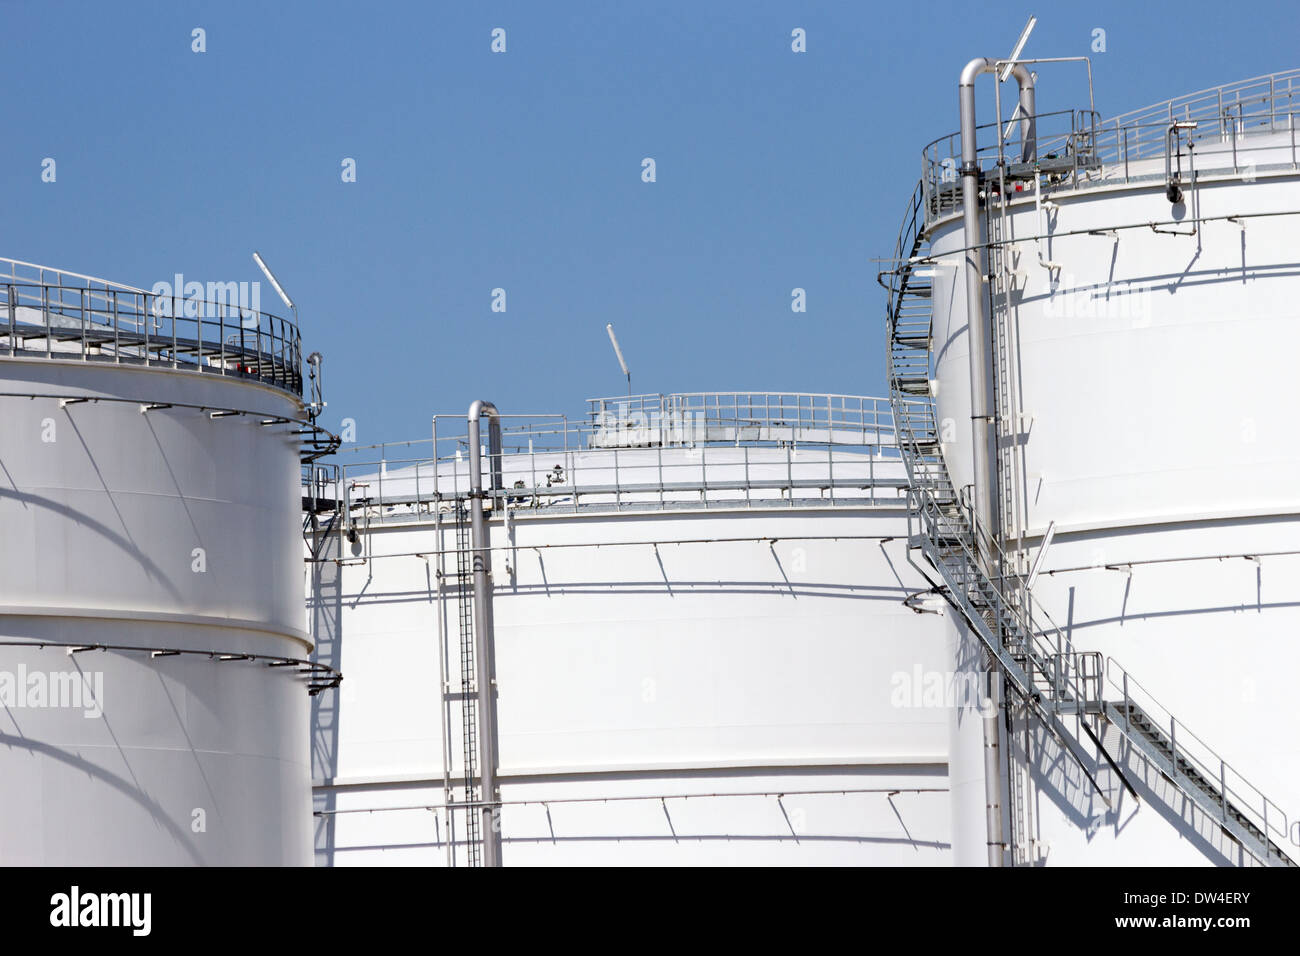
[(1066, 690)]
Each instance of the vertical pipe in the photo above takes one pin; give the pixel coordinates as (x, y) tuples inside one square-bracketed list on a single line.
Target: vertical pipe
[(485, 665), (976, 321), (993, 778), (1028, 124), (978, 340)]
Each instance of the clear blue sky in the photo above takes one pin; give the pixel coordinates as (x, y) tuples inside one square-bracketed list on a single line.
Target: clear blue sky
[(522, 170)]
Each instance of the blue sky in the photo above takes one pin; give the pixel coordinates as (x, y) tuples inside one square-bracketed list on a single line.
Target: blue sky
[(522, 171)]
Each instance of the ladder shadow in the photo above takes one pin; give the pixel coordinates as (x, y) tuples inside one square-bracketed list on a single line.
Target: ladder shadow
[(1074, 796)]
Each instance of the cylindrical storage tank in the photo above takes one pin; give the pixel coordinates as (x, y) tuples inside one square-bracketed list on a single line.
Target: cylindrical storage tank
[(150, 616), (1144, 416), (710, 644)]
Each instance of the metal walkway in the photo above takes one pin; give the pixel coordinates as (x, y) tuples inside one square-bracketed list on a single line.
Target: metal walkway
[(1064, 689)]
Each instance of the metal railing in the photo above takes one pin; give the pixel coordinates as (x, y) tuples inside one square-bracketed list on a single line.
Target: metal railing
[(1188, 752), (686, 418), (59, 314), (689, 450), (894, 279), (1264, 104), (1043, 652), (1065, 147), (1076, 149)]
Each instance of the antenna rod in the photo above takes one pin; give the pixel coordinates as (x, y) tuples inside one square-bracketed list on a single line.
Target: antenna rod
[(619, 353), (1010, 63), (261, 264), (1020, 47)]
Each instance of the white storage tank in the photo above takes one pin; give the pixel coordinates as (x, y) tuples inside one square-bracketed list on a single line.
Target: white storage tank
[(1140, 286), (710, 645), (152, 640)]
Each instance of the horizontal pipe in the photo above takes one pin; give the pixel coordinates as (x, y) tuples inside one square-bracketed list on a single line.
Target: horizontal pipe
[(657, 796), (1092, 231), (763, 539)]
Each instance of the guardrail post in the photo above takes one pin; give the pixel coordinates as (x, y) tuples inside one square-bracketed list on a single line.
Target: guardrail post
[(1125, 147), (117, 322), (1234, 146), (789, 472), (1290, 122), (1128, 711), (830, 465), (1173, 743), (618, 487)]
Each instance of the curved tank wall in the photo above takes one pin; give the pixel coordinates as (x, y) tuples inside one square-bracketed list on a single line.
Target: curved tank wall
[(1206, 634), (1154, 423), (678, 682), (146, 529), (1147, 390)]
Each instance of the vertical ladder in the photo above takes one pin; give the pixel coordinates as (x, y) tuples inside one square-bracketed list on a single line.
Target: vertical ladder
[(1006, 410), (1018, 796), (468, 690), (1010, 522)]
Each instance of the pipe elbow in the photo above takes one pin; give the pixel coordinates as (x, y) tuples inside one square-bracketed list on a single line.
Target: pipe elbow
[(974, 68), (1023, 76), (479, 408)]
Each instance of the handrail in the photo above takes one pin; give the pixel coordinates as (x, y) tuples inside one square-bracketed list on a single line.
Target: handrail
[(1266, 815), (1093, 151), (1045, 658), (108, 283), (689, 417), (1173, 104), (737, 449), (71, 317)]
